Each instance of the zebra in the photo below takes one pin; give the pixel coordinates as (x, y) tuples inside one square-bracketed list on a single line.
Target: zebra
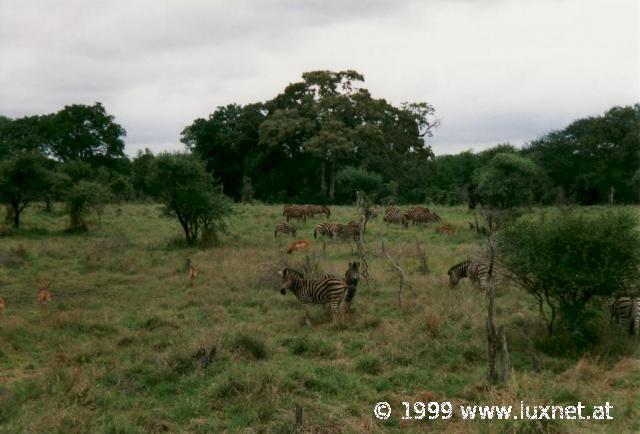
[(312, 210), (329, 291), (349, 231), (325, 229), (394, 215), (285, 228), (626, 311), (351, 278), (476, 271), (295, 211), (420, 215)]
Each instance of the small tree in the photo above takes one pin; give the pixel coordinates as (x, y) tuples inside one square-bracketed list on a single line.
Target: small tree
[(566, 261), (188, 192), (352, 179), (23, 179), (507, 181), (82, 197)]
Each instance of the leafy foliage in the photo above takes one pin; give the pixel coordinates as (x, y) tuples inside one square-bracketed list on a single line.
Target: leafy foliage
[(308, 133), (181, 182), (82, 197), (24, 178), (508, 181), (568, 260)]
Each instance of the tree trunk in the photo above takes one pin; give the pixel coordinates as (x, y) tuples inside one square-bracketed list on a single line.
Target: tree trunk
[(323, 180), (16, 216), (332, 181)]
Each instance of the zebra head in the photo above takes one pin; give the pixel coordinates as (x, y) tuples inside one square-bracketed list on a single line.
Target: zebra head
[(353, 274), (454, 276), (290, 278)]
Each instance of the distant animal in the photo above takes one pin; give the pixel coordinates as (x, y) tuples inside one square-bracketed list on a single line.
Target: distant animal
[(313, 210), (337, 230), (193, 274), (419, 215), (285, 228), (626, 311), (329, 291), (395, 215), (476, 271), (325, 229), (298, 245), (3, 305), (297, 212), (372, 213), (44, 295), (446, 229)]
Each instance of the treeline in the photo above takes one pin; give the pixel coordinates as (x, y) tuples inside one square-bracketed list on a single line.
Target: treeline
[(319, 141)]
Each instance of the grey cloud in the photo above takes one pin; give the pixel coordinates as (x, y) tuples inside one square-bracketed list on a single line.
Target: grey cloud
[(495, 70)]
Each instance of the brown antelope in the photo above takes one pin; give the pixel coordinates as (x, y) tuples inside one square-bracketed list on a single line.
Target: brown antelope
[(298, 245), (44, 296), (3, 304), (193, 274)]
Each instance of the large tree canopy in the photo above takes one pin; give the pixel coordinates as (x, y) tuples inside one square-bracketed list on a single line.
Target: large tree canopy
[(594, 159), (293, 146)]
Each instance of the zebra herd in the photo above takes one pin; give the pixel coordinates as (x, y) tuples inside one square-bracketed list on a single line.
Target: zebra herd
[(417, 215), (338, 293)]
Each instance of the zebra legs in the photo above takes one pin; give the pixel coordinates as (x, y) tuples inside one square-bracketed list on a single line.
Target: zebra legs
[(306, 315)]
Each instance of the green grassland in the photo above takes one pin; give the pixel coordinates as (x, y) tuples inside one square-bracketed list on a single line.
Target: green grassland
[(113, 352)]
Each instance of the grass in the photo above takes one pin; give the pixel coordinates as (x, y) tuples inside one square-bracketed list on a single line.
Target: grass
[(113, 352)]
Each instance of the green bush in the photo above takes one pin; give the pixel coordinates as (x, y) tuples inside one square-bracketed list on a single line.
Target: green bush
[(181, 182), (351, 179), (83, 196), (571, 259)]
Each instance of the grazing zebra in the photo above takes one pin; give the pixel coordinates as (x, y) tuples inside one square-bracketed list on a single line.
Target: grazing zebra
[(313, 210), (285, 228), (329, 291), (297, 212), (477, 272), (394, 215), (419, 215), (325, 229), (626, 311), (351, 278)]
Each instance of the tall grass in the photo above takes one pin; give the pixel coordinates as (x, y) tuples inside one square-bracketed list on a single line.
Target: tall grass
[(113, 352)]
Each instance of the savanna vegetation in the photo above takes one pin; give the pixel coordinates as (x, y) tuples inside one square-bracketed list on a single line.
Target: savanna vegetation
[(113, 350), (142, 295)]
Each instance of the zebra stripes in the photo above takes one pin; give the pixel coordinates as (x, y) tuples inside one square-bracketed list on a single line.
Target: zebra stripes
[(337, 230), (419, 215), (351, 278), (626, 311), (329, 291), (285, 228), (477, 272), (395, 215)]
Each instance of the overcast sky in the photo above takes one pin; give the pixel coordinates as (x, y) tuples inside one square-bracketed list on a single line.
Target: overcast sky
[(495, 71)]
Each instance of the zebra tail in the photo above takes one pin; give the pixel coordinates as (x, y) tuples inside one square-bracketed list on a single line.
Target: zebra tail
[(315, 234)]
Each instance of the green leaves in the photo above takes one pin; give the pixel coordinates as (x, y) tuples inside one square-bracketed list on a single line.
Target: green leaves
[(182, 183), (568, 259)]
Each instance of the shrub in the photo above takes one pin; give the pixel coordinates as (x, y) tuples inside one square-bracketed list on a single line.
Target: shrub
[(188, 192), (351, 179), (83, 196), (567, 261)]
